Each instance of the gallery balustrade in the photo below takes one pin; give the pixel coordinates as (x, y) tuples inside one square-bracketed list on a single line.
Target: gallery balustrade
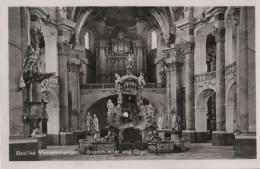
[(230, 69), (112, 86)]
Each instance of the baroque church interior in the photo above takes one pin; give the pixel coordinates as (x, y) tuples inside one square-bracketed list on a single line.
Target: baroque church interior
[(132, 76)]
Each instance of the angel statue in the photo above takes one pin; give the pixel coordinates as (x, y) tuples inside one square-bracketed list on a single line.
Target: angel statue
[(129, 62), (31, 59), (141, 80)]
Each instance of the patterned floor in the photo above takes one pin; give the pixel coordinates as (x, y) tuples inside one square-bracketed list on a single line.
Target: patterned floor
[(195, 151)]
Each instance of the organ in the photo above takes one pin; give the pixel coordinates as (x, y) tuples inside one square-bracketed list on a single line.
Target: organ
[(112, 56)]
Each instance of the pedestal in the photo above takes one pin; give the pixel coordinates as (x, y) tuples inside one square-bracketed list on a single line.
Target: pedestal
[(23, 150), (245, 146), (42, 141), (53, 139), (90, 138), (66, 138), (175, 136), (161, 134), (77, 135), (201, 137), (222, 138), (189, 136), (97, 136)]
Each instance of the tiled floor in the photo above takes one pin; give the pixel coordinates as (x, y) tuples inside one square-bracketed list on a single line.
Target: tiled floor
[(195, 151)]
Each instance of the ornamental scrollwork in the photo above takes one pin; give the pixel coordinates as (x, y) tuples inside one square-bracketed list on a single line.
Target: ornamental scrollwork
[(235, 15), (189, 47), (176, 66), (219, 34), (63, 49)]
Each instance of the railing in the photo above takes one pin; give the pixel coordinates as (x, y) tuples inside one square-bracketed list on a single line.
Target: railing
[(112, 86), (229, 69), (205, 76)]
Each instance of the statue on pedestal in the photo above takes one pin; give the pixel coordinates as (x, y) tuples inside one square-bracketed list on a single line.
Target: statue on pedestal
[(160, 122), (34, 133), (110, 112), (174, 123), (89, 122), (129, 62), (141, 81), (95, 122)]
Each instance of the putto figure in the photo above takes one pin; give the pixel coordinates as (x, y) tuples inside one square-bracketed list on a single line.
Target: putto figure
[(129, 62), (141, 80), (31, 59)]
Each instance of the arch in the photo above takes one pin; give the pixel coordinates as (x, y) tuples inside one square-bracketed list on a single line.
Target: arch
[(87, 103), (53, 124), (204, 30), (228, 10), (201, 109), (92, 98), (199, 94), (230, 104), (230, 89), (52, 92)]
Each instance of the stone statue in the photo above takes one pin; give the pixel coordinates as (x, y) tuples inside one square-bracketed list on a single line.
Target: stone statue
[(110, 112), (211, 58), (110, 105), (149, 116), (160, 122), (141, 80), (89, 122), (34, 133), (31, 59), (73, 40), (129, 62), (204, 19), (163, 41), (150, 108), (236, 128), (174, 123), (95, 122), (172, 37), (119, 102)]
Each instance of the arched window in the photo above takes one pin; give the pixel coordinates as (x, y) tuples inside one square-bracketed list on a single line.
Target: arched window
[(87, 40), (153, 40)]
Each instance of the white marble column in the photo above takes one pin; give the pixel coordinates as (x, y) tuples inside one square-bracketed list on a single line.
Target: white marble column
[(229, 117), (229, 42), (201, 119), (189, 79), (220, 79), (242, 99)]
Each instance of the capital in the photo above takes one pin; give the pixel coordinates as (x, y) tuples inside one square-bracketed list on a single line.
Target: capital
[(219, 34), (189, 47), (63, 49), (176, 66)]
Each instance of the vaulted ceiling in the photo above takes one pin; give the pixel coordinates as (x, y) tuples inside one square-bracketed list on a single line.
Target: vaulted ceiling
[(101, 18)]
